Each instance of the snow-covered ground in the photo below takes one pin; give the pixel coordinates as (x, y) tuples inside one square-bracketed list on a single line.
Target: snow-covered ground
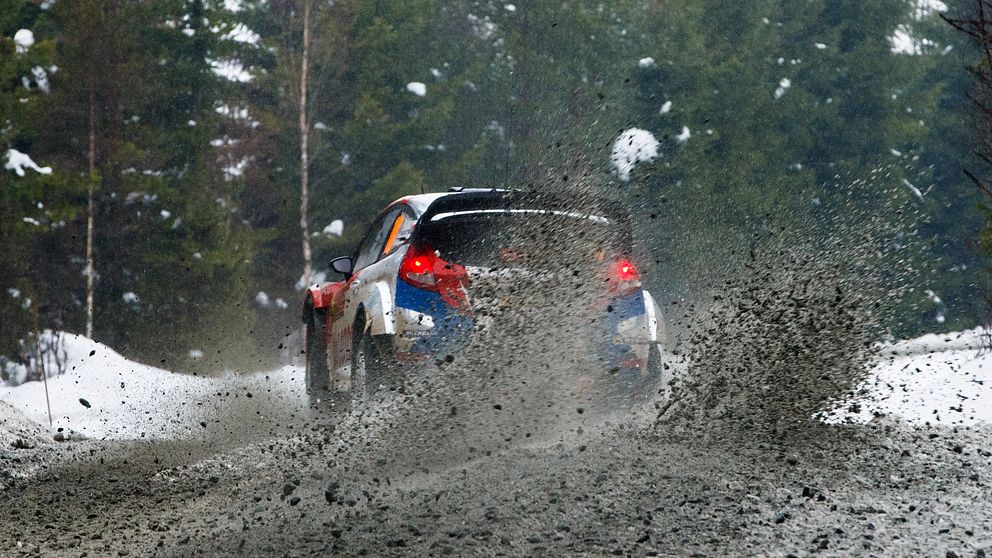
[(16, 430), (941, 379), (106, 396), (937, 378)]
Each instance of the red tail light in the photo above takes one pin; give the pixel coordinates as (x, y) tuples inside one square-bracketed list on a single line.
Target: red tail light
[(625, 271), (623, 277), (423, 268)]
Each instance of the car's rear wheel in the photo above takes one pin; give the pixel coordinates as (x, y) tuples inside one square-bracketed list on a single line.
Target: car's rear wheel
[(363, 358), (318, 373), (370, 369), (655, 370), (650, 383)]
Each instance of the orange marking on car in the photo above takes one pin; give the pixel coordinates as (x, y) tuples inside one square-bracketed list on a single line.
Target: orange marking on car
[(392, 234)]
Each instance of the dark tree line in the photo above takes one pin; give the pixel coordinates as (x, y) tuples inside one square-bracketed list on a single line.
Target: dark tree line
[(977, 25), (182, 134)]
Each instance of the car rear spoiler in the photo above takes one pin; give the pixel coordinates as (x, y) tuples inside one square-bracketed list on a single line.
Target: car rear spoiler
[(591, 206)]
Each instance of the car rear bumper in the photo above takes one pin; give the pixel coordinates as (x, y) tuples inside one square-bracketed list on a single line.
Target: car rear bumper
[(427, 328)]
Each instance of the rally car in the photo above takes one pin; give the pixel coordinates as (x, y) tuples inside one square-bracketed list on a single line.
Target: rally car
[(434, 269)]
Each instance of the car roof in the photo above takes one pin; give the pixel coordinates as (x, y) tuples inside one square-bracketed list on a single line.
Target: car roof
[(420, 202), (481, 198)]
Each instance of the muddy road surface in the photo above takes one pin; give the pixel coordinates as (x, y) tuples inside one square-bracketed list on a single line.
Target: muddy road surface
[(607, 485)]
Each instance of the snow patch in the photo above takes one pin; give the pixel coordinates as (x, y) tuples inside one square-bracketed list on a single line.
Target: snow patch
[(17, 430), (262, 299), (41, 79), (17, 162), (334, 228), (242, 34), (231, 69), (926, 8), (936, 378), (483, 27), (646, 62), (783, 86), (23, 40), (417, 88), (902, 41), (684, 135), (106, 396), (666, 108), (633, 146), (235, 170)]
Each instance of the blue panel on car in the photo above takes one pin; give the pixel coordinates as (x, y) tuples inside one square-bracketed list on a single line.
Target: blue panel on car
[(425, 302), (452, 330)]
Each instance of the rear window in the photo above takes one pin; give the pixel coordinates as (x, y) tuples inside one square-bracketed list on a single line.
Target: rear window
[(524, 238)]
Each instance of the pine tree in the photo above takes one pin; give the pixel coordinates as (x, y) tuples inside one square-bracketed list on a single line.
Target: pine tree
[(34, 201)]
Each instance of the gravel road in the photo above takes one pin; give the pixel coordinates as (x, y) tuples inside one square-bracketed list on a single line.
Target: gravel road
[(636, 486), (500, 455)]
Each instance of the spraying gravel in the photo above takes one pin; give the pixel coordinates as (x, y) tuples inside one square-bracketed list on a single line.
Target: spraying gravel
[(514, 447)]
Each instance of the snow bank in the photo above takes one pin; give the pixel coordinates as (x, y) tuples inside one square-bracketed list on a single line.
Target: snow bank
[(17, 431), (106, 396), (941, 379), (937, 379)]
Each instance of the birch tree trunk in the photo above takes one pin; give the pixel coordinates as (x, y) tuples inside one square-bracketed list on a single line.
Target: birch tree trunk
[(89, 216), (304, 148)]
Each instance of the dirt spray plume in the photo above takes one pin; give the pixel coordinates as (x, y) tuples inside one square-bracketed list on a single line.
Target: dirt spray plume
[(793, 330)]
